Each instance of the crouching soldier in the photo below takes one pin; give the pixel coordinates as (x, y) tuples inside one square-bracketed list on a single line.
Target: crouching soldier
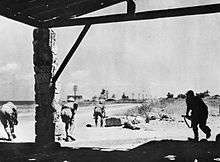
[(8, 118), (99, 111), (67, 115), (199, 115)]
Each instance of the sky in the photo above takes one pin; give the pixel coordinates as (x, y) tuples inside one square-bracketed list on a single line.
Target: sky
[(151, 57)]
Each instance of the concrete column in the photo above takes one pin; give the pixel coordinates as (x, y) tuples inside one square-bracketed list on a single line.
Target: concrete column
[(43, 46)]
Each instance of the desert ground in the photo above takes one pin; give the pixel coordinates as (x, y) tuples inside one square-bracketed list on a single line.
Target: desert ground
[(162, 139)]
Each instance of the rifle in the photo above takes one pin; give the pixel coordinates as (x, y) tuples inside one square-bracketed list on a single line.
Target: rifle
[(187, 117)]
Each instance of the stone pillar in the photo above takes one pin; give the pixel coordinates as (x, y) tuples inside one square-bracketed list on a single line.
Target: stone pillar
[(43, 45)]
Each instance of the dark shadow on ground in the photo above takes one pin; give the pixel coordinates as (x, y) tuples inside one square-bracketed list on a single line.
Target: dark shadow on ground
[(154, 151)]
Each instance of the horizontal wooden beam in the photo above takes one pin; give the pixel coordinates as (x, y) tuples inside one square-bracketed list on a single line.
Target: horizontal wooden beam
[(44, 10), (48, 6), (35, 12), (63, 12), (31, 5), (155, 14), (19, 17), (81, 10)]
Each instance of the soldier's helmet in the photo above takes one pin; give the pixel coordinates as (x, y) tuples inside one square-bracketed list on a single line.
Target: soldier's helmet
[(190, 94)]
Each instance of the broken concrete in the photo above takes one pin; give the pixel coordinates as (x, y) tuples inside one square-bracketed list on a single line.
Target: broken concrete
[(113, 121)]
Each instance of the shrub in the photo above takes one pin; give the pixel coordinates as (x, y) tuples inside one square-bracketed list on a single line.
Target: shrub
[(181, 96), (145, 109), (203, 94), (169, 95)]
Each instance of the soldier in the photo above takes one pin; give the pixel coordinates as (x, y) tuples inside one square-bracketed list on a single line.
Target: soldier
[(67, 115), (99, 111), (8, 118), (199, 115)]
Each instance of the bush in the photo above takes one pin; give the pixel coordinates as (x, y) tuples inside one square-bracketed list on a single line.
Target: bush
[(181, 96), (169, 95), (144, 110), (203, 94)]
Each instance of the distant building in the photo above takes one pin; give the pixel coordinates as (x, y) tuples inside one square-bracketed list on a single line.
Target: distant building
[(104, 94), (124, 97), (76, 97)]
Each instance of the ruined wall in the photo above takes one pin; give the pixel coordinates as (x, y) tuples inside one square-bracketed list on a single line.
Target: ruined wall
[(44, 61)]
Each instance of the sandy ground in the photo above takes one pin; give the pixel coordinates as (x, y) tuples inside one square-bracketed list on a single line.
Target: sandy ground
[(114, 138), (158, 141)]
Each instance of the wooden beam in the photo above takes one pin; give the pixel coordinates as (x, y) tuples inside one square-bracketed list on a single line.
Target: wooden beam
[(71, 9), (155, 14), (46, 6), (71, 52), (31, 5), (6, 12), (81, 10)]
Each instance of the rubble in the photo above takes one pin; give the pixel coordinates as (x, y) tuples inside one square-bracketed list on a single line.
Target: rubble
[(153, 118), (113, 121), (135, 121), (153, 115), (166, 117), (130, 126), (88, 125)]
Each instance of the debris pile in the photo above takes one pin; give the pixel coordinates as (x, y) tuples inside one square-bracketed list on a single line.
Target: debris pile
[(130, 126), (166, 117), (113, 121)]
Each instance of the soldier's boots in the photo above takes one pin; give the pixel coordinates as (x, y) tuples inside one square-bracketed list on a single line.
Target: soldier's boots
[(13, 135), (196, 139), (193, 139)]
